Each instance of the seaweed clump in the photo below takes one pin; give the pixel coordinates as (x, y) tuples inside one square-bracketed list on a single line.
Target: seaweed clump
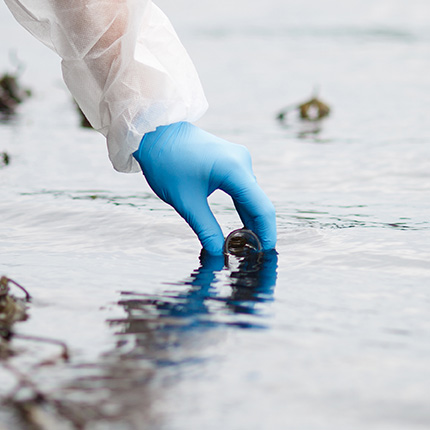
[(12, 309), (314, 109)]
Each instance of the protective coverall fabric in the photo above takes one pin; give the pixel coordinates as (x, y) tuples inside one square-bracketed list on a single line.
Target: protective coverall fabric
[(123, 63), (184, 165)]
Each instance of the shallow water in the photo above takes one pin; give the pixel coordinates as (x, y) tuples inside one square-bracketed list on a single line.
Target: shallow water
[(333, 332)]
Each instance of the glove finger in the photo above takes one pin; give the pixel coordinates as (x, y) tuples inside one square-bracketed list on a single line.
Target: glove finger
[(198, 215), (256, 212), (254, 207)]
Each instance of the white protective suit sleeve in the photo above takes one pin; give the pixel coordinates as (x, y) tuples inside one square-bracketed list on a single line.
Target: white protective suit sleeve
[(123, 63)]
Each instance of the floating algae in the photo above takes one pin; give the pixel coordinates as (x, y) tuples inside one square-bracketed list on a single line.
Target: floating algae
[(4, 159), (11, 91), (11, 94)]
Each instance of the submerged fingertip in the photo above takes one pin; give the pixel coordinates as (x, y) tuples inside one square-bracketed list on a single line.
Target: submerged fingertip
[(268, 236), (213, 245), (270, 247)]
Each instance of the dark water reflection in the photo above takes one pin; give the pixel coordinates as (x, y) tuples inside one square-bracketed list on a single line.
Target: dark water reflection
[(206, 302)]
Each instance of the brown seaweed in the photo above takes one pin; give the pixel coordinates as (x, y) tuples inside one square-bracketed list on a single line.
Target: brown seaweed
[(313, 109)]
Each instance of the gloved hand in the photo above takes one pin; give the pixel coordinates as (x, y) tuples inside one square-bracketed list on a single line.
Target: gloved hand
[(184, 165)]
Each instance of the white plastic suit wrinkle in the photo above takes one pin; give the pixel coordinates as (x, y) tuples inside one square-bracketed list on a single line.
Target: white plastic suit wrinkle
[(123, 63)]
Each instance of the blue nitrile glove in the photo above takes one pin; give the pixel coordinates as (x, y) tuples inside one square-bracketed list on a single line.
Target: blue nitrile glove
[(184, 165)]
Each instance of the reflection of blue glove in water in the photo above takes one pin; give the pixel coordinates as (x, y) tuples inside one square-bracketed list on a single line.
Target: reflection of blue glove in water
[(184, 165)]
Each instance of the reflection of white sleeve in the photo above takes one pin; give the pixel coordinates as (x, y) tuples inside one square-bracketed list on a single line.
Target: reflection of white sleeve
[(122, 62)]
